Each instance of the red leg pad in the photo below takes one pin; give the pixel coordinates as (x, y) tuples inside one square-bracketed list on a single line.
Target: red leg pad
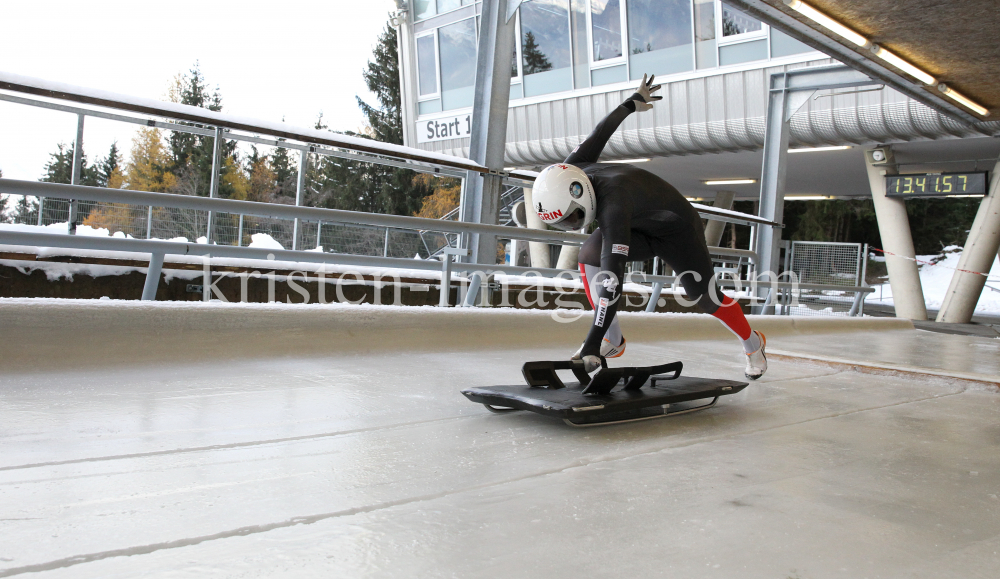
[(731, 315)]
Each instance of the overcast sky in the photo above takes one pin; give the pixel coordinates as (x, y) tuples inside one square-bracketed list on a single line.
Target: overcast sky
[(269, 60)]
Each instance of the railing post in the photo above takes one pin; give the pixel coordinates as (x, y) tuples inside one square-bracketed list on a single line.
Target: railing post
[(654, 297), (299, 190), (385, 245), (152, 277), (444, 300), (239, 232), (149, 223), (77, 175), (213, 186)]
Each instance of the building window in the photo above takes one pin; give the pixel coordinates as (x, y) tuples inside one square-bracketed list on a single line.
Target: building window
[(736, 23), (705, 48), (606, 29), (457, 50), (741, 38), (545, 47), (426, 66), (447, 5), (423, 9), (659, 37)]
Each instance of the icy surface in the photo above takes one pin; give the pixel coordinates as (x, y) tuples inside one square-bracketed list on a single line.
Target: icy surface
[(349, 461)]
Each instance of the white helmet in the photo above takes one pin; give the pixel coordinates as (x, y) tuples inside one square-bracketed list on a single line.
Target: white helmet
[(564, 198)]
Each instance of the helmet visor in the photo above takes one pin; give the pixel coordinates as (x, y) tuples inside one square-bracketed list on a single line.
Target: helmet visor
[(572, 221)]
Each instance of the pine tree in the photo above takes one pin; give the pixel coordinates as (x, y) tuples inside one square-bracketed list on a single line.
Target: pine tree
[(367, 187), (192, 154), (148, 168), (534, 59), (109, 169), (285, 174)]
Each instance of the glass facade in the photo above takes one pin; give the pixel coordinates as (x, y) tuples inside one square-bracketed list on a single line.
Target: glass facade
[(735, 22), (545, 47), (426, 65), (705, 47), (457, 47), (659, 37), (606, 29), (564, 45)]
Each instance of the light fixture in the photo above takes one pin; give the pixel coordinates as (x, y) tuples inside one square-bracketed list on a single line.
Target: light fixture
[(805, 197), (818, 149), (962, 100), (902, 65), (957, 196), (730, 182), (826, 22), (628, 161)]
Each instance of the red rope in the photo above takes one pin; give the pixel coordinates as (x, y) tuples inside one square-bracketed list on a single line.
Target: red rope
[(986, 275)]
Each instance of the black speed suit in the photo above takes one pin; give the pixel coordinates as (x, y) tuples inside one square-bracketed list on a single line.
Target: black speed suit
[(639, 216)]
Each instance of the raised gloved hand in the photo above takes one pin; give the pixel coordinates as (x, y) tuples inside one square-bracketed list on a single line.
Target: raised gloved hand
[(643, 95)]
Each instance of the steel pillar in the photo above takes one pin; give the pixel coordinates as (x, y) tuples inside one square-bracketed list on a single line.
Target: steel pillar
[(789, 90), (77, 175), (300, 188), (444, 299), (152, 277), (897, 241), (481, 193), (213, 185), (715, 229), (978, 255)]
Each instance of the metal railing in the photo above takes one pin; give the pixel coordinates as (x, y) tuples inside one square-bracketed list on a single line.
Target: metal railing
[(236, 213)]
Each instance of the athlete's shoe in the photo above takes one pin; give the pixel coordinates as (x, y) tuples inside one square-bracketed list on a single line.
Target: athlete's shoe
[(757, 361), (609, 351)]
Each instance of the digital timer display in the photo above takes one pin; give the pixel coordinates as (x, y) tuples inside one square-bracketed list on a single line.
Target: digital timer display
[(935, 185)]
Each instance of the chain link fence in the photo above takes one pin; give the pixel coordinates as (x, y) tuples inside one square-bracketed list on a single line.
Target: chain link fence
[(826, 263), (143, 222)]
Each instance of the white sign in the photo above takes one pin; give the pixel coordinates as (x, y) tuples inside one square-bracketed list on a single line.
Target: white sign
[(446, 128)]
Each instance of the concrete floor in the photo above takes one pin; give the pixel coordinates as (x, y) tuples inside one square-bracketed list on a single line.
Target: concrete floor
[(371, 464)]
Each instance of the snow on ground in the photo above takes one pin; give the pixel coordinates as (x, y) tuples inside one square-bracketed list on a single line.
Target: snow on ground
[(936, 278)]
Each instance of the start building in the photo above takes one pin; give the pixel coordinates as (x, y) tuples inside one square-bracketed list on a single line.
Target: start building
[(575, 60)]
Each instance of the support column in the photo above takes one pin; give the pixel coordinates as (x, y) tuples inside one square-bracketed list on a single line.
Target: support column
[(213, 184), (481, 193), (789, 90), (152, 277), (77, 175), (300, 188), (772, 180), (978, 255), (715, 229), (894, 229)]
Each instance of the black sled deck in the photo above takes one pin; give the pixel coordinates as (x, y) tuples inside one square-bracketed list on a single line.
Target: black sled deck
[(612, 396)]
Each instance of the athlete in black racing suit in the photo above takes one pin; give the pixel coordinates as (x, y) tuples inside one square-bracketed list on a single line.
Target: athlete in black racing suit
[(639, 216)]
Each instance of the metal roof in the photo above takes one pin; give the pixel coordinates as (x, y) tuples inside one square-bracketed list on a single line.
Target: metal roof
[(956, 42)]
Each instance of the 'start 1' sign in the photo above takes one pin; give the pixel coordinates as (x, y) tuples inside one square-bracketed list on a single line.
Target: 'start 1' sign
[(446, 128)]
